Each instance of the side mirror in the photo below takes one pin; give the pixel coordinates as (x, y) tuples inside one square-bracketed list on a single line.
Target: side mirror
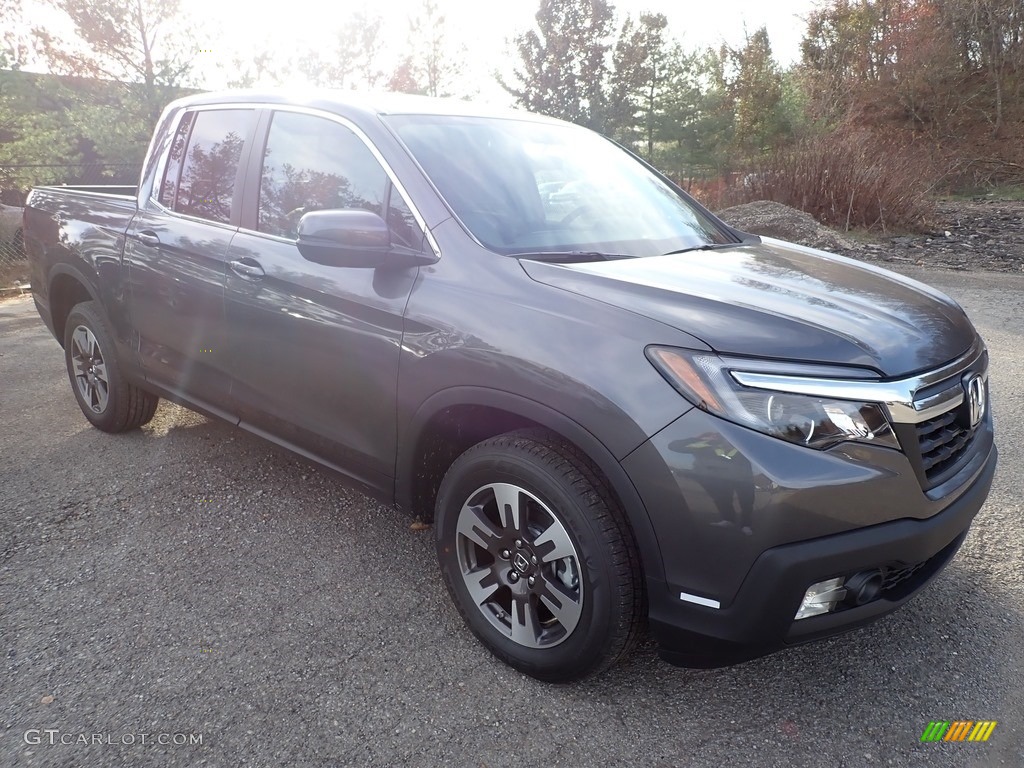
[(352, 238)]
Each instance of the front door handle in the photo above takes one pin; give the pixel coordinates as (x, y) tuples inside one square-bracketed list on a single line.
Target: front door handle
[(148, 237), (249, 269)]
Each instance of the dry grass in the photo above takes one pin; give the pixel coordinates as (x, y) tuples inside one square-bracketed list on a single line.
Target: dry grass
[(845, 180)]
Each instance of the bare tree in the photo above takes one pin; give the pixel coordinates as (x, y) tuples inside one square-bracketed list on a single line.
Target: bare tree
[(997, 26), (261, 66), (355, 59)]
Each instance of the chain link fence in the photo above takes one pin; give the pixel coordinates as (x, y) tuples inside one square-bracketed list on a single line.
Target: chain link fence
[(13, 261), (15, 183)]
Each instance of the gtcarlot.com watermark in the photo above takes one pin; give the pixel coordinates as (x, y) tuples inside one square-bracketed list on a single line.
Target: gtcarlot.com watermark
[(54, 736)]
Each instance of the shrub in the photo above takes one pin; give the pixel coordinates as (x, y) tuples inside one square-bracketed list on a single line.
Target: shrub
[(847, 180)]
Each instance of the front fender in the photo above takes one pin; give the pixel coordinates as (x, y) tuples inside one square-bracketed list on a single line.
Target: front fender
[(523, 407)]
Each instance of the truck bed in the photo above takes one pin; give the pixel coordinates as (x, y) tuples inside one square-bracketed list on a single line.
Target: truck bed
[(79, 230)]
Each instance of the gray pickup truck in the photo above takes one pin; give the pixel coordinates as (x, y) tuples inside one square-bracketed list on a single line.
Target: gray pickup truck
[(619, 411)]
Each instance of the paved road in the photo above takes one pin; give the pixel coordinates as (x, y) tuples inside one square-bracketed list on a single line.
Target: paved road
[(191, 580)]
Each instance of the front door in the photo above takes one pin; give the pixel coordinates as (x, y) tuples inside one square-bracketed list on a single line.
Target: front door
[(315, 348)]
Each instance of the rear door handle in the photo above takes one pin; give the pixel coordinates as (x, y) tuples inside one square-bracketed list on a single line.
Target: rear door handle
[(250, 270), (148, 237)]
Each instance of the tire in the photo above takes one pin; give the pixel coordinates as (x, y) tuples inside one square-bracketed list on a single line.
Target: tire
[(108, 400), (557, 594)]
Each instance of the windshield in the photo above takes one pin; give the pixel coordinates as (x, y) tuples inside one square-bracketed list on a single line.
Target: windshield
[(524, 187)]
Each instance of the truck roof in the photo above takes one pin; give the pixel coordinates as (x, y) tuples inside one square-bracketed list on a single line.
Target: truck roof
[(366, 103)]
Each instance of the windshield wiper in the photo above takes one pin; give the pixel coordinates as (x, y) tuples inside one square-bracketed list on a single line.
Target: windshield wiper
[(570, 257), (705, 247)]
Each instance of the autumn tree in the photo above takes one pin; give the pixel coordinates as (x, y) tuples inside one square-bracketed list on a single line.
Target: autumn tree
[(563, 61), (935, 64), (433, 64), (863, 57), (144, 44)]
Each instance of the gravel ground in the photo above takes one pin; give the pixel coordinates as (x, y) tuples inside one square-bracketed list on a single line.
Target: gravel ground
[(191, 579), (969, 235)]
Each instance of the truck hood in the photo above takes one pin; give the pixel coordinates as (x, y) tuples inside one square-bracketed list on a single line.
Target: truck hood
[(777, 300)]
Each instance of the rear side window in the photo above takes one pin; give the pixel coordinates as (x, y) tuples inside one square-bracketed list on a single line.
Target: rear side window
[(311, 164), (172, 173), (206, 185)]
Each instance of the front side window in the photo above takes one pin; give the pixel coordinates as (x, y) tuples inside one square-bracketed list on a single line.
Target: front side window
[(207, 184), (311, 164), (524, 186)]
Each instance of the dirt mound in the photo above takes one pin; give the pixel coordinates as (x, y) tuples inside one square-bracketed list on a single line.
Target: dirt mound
[(764, 217)]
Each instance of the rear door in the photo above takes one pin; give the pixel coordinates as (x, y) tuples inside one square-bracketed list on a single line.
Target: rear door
[(315, 348), (177, 254)]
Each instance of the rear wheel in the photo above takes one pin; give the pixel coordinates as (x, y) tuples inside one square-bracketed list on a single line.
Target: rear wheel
[(538, 557), (108, 400)]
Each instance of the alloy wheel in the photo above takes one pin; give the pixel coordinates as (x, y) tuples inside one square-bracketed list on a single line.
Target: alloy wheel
[(519, 565), (90, 369)]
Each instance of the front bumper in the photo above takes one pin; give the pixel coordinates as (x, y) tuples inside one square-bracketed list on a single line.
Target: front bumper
[(913, 537)]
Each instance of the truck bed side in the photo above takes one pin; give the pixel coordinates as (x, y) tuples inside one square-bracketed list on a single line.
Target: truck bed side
[(74, 238)]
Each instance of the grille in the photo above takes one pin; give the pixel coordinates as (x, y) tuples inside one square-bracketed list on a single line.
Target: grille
[(943, 442)]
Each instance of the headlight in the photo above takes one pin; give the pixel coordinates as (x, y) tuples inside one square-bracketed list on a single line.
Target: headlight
[(706, 381)]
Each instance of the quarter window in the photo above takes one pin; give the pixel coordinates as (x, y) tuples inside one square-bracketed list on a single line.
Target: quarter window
[(404, 229), (311, 164), (173, 171), (207, 185)]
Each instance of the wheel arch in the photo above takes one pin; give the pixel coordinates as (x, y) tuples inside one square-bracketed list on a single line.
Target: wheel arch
[(67, 287), (453, 420)]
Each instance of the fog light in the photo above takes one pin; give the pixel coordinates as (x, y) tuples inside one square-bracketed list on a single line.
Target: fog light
[(821, 598)]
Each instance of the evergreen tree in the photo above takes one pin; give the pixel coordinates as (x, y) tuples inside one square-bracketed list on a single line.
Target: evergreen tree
[(564, 67), (638, 81), (757, 94)]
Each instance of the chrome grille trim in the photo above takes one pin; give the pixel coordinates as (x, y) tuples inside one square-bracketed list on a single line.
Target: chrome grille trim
[(898, 396)]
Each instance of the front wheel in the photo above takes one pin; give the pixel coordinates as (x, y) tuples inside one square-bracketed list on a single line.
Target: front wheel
[(108, 400), (538, 557)]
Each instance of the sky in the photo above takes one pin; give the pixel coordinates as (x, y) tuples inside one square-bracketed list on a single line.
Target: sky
[(481, 30)]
